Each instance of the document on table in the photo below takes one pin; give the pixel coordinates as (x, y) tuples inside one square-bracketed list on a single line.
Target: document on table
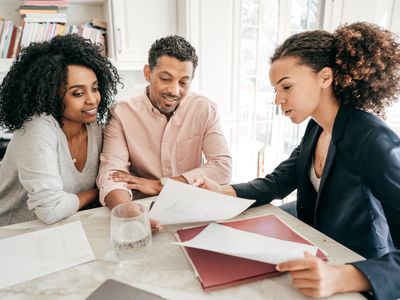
[(230, 241), (184, 203), (31, 255)]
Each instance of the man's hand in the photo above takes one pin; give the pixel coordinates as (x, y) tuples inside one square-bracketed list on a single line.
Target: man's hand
[(151, 187), (316, 278), (117, 197), (155, 226)]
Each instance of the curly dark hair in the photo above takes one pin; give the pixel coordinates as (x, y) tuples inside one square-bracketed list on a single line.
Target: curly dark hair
[(174, 46), (33, 84), (365, 60)]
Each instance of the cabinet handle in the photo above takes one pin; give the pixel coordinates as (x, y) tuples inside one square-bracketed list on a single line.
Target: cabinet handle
[(119, 40)]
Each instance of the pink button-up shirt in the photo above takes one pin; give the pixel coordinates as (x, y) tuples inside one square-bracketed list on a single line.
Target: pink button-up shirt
[(140, 140)]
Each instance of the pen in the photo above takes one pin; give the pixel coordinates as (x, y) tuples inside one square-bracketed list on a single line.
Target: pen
[(151, 205)]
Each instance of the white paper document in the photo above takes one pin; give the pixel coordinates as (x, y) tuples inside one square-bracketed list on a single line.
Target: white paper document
[(184, 203), (31, 255), (231, 241)]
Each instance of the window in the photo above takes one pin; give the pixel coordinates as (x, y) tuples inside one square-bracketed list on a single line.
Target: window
[(261, 131)]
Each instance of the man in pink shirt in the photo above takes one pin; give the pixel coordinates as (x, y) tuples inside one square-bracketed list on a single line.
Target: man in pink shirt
[(162, 132)]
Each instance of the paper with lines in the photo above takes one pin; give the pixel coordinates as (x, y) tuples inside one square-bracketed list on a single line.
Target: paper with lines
[(34, 254)]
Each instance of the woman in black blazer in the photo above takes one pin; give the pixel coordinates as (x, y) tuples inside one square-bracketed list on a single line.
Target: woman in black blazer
[(347, 167)]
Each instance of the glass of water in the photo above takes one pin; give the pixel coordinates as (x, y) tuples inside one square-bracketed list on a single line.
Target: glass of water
[(130, 231)]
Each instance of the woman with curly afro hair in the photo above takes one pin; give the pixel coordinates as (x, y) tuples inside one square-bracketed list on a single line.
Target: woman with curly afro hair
[(347, 167), (55, 97)]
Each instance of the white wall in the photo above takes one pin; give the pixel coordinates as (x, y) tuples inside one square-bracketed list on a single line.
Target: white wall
[(380, 12), (215, 53), (134, 83)]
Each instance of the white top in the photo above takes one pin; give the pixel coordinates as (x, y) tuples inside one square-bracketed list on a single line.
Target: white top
[(313, 177), (37, 176)]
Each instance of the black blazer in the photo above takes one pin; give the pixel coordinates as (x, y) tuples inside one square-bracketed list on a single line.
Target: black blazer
[(358, 203)]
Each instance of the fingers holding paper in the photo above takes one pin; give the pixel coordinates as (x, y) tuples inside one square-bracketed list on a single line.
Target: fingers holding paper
[(312, 276), (208, 184), (149, 187)]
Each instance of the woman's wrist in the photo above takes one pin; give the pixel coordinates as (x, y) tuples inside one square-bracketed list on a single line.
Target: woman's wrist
[(350, 279), (228, 190)]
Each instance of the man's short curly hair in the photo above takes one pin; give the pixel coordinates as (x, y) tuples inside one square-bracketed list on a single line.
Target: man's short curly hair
[(34, 84), (365, 60), (174, 46)]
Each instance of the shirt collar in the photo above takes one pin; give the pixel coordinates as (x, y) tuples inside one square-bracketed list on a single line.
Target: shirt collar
[(156, 113)]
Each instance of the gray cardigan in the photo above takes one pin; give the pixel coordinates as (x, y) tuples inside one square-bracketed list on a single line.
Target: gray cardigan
[(37, 176)]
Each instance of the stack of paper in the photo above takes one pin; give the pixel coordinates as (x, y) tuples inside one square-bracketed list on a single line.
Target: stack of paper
[(31, 255)]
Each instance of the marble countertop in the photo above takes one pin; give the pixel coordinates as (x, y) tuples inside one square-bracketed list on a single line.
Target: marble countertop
[(165, 270)]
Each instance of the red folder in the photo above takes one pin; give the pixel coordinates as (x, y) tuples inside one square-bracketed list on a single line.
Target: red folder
[(216, 270)]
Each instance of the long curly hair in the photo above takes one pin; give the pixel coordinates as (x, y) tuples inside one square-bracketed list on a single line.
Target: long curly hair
[(36, 82), (365, 60), (174, 46)]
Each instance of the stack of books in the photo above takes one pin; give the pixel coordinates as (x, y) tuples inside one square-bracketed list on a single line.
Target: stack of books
[(95, 30), (42, 20)]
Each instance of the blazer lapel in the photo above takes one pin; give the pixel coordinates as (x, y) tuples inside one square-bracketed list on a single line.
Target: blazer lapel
[(304, 160), (328, 165), (337, 133)]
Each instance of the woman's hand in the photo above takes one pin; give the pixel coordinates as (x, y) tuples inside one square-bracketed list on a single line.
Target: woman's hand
[(316, 278), (151, 187), (209, 184)]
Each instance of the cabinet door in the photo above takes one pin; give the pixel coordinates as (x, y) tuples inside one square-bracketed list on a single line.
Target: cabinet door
[(138, 23)]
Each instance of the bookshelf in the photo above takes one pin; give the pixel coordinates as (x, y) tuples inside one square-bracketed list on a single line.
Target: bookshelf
[(77, 12), (131, 27)]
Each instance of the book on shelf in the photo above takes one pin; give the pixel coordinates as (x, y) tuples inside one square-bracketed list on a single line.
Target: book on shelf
[(5, 38), (42, 18), (58, 3), (9, 51), (17, 42), (100, 24), (33, 9), (216, 270)]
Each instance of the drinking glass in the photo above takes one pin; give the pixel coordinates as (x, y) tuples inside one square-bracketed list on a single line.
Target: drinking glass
[(130, 231)]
